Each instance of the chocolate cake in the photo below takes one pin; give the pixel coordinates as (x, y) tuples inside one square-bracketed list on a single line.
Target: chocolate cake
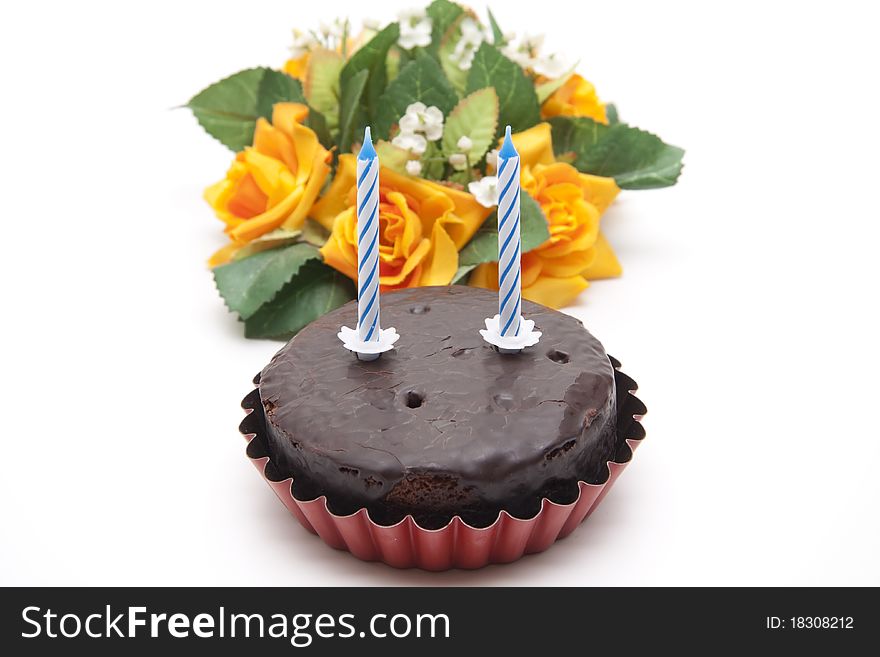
[(442, 425)]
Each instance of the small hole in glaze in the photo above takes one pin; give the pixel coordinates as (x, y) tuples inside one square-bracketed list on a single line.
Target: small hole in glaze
[(558, 356), (419, 310), (414, 399)]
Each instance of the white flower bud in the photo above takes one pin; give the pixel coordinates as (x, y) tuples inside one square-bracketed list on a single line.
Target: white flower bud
[(458, 161), (465, 144), (413, 167)]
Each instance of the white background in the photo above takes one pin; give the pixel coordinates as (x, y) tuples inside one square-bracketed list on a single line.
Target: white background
[(747, 311)]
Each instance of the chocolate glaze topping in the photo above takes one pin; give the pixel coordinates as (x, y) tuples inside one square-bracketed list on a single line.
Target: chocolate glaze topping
[(442, 425)]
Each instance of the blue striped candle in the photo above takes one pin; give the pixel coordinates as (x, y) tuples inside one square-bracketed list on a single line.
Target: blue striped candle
[(509, 247), (368, 241)]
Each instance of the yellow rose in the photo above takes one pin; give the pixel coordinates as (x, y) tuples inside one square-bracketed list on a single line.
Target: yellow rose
[(422, 227), (297, 68), (557, 271), (577, 97), (272, 184)]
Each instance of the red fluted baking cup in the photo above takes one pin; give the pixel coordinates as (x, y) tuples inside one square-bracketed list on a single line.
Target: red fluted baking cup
[(457, 544)]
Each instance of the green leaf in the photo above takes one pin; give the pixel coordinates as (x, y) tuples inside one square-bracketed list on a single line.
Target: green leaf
[(392, 157), (443, 14), (475, 117), (454, 73), (461, 275), (362, 105), (321, 86), (460, 178), (611, 113), (314, 233), (314, 291), (433, 163), (271, 240), (277, 87), (350, 113), (318, 123), (575, 136), (393, 61), (420, 80), (634, 158), (547, 89), (228, 110), (518, 104), (248, 284), (371, 57), (497, 34), (483, 246)]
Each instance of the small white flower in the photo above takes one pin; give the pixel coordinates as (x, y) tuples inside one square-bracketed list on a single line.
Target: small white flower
[(331, 33), (526, 51), (411, 141), (472, 35), (410, 122), (521, 57), (433, 121), (550, 66), (472, 31), (419, 125), (463, 55), (303, 43), (458, 161), (412, 16), (492, 159), (328, 35), (532, 43), (413, 167), (415, 29), (427, 120), (485, 191)]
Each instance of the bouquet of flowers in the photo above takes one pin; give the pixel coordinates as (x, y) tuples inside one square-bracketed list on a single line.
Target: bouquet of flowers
[(437, 88)]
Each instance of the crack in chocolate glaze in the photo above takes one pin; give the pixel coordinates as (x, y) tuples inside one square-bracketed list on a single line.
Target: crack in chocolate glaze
[(500, 444)]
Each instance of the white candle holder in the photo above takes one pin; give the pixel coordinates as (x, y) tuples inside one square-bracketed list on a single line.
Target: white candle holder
[(510, 344), (368, 350)]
